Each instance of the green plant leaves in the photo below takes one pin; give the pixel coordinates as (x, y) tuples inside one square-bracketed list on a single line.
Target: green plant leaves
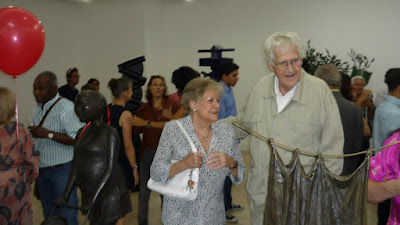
[(315, 59)]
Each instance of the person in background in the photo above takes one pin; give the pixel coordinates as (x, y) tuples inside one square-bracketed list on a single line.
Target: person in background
[(345, 89), (180, 77), (363, 97), (381, 95), (218, 156), (387, 117), (117, 116), (55, 126), (229, 73), (351, 115), (95, 83), (295, 109), (88, 87), (150, 119), (384, 181), (19, 165), (386, 121), (69, 91)]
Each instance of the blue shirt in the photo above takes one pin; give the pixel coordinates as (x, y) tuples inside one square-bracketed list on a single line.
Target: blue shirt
[(227, 104), (61, 119), (386, 120)]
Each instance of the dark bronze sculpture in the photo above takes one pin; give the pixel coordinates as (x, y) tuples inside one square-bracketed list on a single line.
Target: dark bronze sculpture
[(94, 167)]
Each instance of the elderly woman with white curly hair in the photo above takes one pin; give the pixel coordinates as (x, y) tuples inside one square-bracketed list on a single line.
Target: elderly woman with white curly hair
[(218, 155)]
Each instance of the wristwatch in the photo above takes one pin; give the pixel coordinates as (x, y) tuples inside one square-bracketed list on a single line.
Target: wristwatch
[(148, 124), (50, 135)]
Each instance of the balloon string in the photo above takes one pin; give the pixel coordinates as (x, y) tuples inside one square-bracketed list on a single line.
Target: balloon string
[(16, 111)]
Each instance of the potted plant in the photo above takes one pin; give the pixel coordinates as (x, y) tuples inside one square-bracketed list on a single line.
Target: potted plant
[(314, 59), (360, 65)]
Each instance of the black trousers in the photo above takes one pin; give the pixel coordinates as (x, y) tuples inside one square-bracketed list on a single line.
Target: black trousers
[(383, 212)]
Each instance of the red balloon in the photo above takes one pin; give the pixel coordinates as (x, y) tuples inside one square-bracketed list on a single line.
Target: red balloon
[(21, 40)]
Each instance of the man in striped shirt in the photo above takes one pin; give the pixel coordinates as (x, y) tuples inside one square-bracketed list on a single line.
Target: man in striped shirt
[(55, 136)]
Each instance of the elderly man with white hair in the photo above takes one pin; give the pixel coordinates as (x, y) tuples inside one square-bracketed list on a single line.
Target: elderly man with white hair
[(362, 97), (295, 109)]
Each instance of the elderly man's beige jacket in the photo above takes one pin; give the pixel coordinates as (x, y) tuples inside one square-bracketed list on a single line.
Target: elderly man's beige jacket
[(310, 122)]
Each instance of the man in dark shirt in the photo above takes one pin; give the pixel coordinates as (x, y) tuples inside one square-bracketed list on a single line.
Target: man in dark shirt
[(351, 115), (69, 91)]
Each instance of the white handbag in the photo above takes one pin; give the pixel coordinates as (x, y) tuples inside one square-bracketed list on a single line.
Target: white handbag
[(183, 185)]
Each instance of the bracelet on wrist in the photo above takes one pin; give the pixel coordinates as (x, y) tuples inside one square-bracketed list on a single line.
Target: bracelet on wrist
[(135, 166)]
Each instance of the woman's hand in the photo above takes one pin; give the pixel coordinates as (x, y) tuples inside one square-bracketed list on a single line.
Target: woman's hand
[(167, 113), (137, 121), (193, 160), (136, 175), (219, 160)]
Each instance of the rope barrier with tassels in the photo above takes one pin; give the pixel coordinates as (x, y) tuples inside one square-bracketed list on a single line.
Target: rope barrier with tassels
[(303, 152)]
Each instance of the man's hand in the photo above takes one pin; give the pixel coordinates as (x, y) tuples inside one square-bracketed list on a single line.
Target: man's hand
[(365, 99), (38, 132)]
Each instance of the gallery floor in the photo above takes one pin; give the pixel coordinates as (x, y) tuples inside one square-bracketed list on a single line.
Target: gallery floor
[(238, 193)]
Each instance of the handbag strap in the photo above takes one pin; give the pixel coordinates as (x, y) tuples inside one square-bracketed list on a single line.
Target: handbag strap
[(108, 115), (194, 149), (48, 110)]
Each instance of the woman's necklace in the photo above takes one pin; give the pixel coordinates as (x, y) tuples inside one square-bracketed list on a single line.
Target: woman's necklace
[(157, 104), (205, 137)]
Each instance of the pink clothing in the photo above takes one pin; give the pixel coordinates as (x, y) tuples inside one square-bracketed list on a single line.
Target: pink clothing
[(19, 167), (175, 98), (385, 166)]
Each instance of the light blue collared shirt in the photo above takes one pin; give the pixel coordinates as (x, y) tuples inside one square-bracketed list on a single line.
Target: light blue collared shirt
[(227, 104), (61, 119), (386, 120)]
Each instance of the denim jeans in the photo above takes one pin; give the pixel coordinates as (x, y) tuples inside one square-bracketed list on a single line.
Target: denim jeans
[(52, 182), (227, 193)]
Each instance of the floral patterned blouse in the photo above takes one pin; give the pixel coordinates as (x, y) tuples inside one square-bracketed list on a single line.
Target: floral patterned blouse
[(386, 166), (208, 207), (19, 167)]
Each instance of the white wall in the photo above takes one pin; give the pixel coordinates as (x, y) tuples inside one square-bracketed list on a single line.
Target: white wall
[(94, 37), (97, 36), (370, 27)]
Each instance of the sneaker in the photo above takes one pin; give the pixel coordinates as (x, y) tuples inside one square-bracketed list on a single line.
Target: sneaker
[(230, 218), (236, 207)]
